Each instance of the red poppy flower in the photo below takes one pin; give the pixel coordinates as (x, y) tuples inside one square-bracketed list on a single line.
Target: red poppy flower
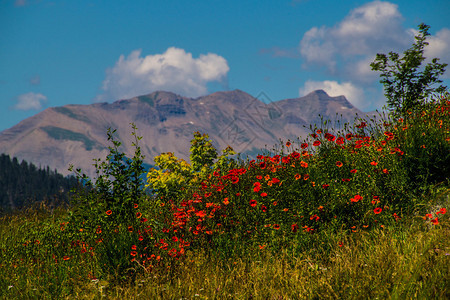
[(377, 210), (435, 221), (138, 215), (263, 194), (295, 155), (389, 135), (294, 227), (325, 186), (109, 212), (339, 164), (340, 244), (285, 159), (256, 187), (397, 217), (375, 200), (303, 164), (362, 125), (316, 143), (264, 208), (314, 218), (353, 171), (133, 247), (349, 136), (135, 205), (304, 145), (253, 203), (276, 226), (374, 163), (297, 176), (340, 140), (288, 144), (130, 228), (329, 137), (66, 257), (200, 214), (133, 253), (443, 210), (356, 198)]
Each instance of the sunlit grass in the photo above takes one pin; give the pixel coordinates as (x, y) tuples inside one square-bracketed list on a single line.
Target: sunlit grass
[(398, 262)]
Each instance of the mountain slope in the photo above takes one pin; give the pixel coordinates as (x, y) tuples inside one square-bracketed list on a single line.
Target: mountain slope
[(76, 134)]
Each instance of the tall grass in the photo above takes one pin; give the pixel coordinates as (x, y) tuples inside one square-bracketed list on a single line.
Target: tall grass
[(353, 212)]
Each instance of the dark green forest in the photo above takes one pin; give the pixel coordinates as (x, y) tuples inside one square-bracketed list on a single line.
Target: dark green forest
[(22, 184)]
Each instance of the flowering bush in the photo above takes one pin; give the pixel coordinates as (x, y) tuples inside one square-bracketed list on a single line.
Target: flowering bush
[(373, 175)]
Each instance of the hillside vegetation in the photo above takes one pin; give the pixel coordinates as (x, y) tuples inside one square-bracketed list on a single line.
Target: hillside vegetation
[(353, 211), (23, 185)]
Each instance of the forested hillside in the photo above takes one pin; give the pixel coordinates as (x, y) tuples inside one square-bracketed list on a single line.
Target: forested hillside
[(23, 184)]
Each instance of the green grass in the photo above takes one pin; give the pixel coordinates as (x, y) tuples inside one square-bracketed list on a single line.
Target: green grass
[(408, 261), (360, 216)]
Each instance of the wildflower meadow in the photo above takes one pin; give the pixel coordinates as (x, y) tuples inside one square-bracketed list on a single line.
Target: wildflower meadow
[(345, 210), (351, 211)]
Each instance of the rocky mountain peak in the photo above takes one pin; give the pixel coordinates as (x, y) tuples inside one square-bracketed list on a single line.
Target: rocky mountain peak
[(75, 134)]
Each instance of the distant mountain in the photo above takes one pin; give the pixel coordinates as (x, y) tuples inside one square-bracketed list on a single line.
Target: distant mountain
[(76, 134)]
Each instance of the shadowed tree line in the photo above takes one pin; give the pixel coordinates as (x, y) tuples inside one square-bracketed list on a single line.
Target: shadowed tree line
[(23, 184)]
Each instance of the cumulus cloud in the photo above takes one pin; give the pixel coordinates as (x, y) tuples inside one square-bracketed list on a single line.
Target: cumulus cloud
[(353, 94), (369, 29), (346, 50), (174, 70), (30, 101), (439, 46)]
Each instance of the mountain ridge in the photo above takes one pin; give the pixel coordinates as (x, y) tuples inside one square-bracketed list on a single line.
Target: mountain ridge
[(76, 134)]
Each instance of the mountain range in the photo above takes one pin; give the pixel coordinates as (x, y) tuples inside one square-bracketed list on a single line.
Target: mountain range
[(76, 134)]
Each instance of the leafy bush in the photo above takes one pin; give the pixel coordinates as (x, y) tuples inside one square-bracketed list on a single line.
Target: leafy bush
[(406, 86), (105, 212)]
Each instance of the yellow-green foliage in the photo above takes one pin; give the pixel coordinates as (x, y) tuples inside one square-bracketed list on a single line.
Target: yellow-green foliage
[(174, 174)]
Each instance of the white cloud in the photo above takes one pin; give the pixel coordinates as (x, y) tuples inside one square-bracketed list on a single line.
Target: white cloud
[(175, 70), (353, 94), (346, 50), (369, 29), (439, 46), (30, 101)]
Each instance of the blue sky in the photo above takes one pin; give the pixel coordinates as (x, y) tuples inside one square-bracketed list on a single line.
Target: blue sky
[(54, 53)]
